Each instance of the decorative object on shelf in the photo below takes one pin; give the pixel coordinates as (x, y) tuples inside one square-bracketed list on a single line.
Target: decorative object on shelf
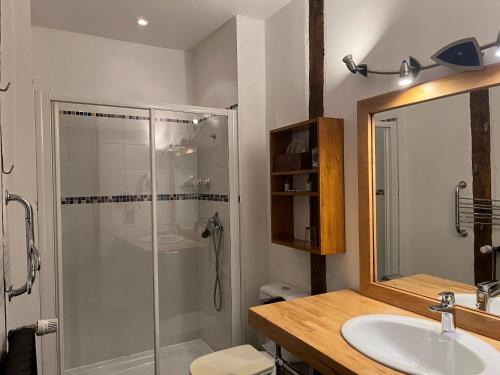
[(295, 157), (315, 157), (464, 55), (309, 183), (287, 185), (311, 236)]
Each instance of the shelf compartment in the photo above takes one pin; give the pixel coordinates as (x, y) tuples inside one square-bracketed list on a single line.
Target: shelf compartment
[(295, 173)]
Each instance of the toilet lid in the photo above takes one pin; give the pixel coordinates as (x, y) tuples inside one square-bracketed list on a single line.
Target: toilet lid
[(240, 360)]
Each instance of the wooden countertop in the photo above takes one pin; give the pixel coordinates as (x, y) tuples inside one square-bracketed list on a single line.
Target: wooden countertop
[(429, 286), (310, 329)]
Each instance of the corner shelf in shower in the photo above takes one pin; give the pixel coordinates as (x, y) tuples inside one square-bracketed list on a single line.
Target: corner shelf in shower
[(325, 201)]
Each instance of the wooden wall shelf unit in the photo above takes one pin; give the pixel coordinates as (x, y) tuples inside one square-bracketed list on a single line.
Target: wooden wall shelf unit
[(326, 198)]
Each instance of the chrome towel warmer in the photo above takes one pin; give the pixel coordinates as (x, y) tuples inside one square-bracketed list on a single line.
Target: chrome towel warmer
[(33, 256), (474, 211)]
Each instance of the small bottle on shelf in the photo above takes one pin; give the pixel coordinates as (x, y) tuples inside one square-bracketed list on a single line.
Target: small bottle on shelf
[(308, 183), (287, 185)]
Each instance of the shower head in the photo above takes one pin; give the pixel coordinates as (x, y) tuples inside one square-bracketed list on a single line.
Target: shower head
[(206, 233)]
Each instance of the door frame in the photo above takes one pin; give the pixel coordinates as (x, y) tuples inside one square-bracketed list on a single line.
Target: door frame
[(48, 189), (392, 162)]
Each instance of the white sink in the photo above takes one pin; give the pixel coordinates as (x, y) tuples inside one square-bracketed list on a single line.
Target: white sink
[(417, 346), (469, 300)]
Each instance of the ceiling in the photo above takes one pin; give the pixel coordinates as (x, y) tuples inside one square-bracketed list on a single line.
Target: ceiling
[(178, 24)]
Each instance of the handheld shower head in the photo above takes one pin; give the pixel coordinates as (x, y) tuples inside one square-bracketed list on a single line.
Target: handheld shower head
[(206, 233)]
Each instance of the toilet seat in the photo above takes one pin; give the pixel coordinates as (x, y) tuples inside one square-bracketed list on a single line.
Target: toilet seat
[(240, 360)]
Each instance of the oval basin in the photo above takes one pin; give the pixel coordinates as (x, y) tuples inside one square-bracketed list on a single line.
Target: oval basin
[(417, 346), (469, 300), (164, 239)]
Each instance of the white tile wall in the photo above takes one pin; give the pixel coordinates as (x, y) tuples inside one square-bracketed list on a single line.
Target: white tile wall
[(104, 155), (110, 130), (136, 132)]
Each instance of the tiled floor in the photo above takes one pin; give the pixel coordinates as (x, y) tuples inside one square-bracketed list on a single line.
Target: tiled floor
[(175, 360)]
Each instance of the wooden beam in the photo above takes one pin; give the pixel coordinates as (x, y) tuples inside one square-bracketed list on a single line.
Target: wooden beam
[(484, 267), (316, 57), (316, 109)]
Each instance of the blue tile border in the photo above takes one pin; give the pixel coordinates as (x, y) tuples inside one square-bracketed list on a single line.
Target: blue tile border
[(143, 198)]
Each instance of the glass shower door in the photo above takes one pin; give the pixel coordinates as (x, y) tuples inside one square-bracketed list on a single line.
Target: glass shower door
[(194, 252), (105, 251)]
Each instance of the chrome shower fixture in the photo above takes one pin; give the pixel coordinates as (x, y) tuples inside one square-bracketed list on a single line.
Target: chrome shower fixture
[(213, 225), (464, 55), (214, 230)]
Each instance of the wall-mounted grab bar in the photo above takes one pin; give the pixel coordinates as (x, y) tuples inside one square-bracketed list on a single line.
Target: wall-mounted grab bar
[(33, 256)]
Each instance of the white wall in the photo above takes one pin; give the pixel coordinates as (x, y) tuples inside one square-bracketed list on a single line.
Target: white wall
[(434, 144), (382, 33), (286, 103), (107, 70), (18, 136), (214, 68), (252, 155)]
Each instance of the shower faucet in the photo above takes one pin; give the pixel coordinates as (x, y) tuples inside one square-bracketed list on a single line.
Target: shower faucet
[(213, 225)]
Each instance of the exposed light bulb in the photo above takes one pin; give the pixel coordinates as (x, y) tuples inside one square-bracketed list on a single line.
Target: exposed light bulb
[(405, 74), (142, 22), (497, 53), (405, 81)]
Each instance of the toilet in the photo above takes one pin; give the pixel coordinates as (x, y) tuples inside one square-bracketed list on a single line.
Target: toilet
[(245, 359)]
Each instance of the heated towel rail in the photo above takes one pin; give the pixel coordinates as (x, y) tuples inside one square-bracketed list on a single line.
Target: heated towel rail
[(474, 211)]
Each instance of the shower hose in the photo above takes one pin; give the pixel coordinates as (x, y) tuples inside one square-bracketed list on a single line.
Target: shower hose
[(217, 286)]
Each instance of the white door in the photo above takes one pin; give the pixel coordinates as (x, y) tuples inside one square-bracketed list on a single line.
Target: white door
[(387, 197)]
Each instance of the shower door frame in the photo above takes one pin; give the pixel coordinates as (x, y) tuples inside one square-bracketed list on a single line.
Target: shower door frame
[(49, 203)]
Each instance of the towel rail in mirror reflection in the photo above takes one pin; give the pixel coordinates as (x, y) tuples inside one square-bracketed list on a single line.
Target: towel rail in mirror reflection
[(474, 211)]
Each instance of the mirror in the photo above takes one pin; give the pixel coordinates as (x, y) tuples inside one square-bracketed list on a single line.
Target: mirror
[(437, 197)]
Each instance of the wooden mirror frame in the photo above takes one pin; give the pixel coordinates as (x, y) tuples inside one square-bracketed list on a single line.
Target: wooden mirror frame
[(476, 321)]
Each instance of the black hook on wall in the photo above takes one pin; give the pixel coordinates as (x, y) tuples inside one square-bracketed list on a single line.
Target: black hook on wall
[(6, 88)]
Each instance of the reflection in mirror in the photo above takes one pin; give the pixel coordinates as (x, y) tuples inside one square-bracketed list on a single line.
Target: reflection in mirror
[(422, 152)]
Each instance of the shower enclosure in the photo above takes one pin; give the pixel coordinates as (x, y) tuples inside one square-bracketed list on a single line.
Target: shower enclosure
[(147, 273)]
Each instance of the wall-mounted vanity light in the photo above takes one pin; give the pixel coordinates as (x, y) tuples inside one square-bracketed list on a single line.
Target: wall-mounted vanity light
[(465, 54)]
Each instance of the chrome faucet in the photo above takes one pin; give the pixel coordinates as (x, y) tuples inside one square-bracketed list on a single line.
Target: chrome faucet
[(447, 310), (485, 291)]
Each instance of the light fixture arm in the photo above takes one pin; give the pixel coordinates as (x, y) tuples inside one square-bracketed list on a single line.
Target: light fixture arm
[(396, 72), (416, 67)]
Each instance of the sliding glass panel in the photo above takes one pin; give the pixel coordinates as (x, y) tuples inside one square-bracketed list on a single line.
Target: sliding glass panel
[(106, 244), (193, 237)]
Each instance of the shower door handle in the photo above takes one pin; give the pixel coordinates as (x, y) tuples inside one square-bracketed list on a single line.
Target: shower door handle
[(32, 253)]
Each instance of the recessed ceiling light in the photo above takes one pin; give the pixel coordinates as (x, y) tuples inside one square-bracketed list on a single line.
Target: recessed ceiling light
[(142, 22)]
